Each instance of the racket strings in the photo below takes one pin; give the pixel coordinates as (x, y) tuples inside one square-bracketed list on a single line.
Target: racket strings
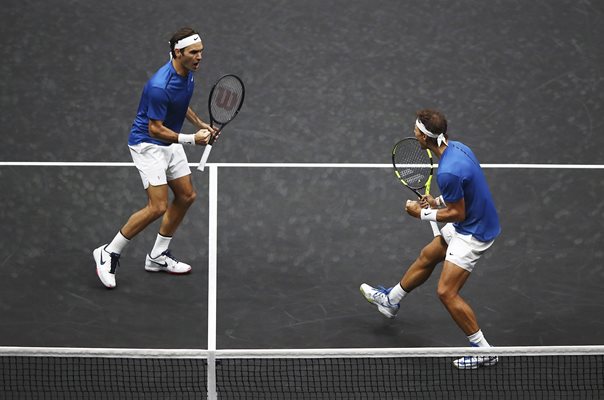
[(413, 163), (226, 99)]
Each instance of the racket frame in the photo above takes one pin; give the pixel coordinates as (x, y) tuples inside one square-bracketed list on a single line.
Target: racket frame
[(213, 122), (435, 230)]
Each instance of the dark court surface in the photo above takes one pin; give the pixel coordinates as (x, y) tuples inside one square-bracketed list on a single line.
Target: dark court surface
[(328, 82)]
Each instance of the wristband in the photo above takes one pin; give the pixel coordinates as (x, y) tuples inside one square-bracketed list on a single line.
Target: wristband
[(428, 214), (186, 139)]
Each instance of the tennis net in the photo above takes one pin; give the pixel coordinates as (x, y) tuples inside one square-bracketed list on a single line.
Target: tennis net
[(558, 372)]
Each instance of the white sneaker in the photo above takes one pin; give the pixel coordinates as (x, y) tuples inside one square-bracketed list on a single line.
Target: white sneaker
[(106, 263), (474, 362), (379, 297), (167, 263)]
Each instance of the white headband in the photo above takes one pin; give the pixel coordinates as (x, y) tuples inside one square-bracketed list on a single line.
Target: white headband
[(189, 40), (440, 139)]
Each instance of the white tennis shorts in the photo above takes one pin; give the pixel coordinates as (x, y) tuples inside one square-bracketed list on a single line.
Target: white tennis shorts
[(464, 250), (157, 164)]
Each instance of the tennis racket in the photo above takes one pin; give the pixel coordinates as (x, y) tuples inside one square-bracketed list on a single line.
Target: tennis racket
[(413, 166), (226, 99)]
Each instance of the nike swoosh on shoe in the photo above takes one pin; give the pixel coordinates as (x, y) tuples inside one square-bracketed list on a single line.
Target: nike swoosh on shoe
[(164, 264)]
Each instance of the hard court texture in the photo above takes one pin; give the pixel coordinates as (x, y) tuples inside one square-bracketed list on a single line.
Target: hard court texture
[(327, 82)]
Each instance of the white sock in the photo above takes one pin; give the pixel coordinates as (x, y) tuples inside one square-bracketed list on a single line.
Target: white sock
[(477, 340), (117, 244), (161, 244), (396, 294)]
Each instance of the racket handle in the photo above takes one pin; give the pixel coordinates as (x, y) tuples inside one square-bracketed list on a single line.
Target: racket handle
[(435, 229), (204, 157)]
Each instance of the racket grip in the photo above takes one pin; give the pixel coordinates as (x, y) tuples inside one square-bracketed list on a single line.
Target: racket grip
[(204, 157), (435, 229)]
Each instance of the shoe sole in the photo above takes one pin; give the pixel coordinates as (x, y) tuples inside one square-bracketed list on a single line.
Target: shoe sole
[(96, 254), (379, 307), (160, 269)]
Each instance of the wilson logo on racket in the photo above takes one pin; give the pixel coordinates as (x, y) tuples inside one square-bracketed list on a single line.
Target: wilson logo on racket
[(226, 99)]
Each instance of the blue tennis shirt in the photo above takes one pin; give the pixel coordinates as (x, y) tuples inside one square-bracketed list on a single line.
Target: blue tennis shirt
[(166, 98), (460, 175)]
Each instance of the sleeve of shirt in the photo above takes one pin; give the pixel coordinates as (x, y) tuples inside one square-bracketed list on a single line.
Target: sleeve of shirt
[(158, 104), (450, 187)]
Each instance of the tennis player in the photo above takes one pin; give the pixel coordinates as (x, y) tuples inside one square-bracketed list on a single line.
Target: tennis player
[(156, 145), (472, 224)]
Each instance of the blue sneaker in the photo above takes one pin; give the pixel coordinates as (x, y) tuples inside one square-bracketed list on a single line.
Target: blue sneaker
[(474, 362), (379, 297)]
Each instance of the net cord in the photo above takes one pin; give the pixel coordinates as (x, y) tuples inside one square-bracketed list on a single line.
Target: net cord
[(414, 352), (301, 353)]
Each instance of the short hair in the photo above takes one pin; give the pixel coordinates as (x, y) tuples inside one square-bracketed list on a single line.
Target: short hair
[(181, 34), (433, 120)]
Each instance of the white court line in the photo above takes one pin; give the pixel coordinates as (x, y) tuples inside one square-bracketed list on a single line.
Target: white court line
[(286, 165), (212, 275), (351, 165), (64, 164)]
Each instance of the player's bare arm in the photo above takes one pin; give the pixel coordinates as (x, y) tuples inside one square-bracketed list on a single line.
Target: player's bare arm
[(161, 132), (452, 212), (193, 118)]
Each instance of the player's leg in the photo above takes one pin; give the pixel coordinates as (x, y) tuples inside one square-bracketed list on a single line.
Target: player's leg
[(452, 279), (107, 256), (184, 197), (179, 181), (421, 269), (157, 204), (387, 300), (462, 255), (150, 160)]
